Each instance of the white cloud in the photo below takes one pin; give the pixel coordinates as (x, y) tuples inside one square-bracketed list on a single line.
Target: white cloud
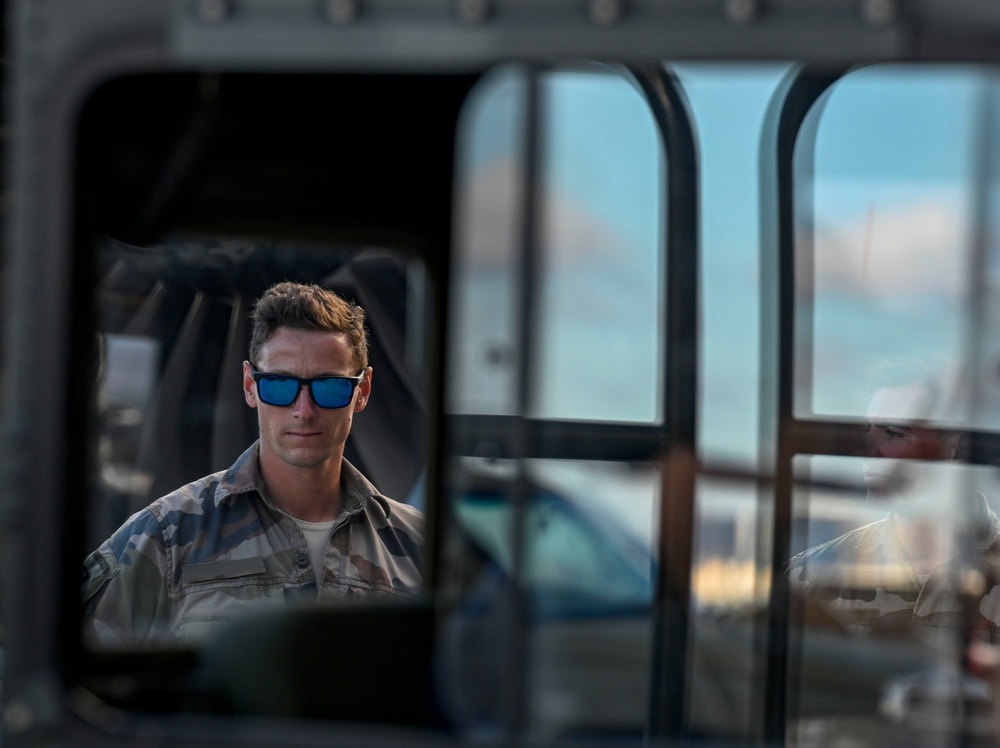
[(894, 252), (489, 233)]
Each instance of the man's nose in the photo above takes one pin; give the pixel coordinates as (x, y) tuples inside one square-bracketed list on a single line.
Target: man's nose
[(303, 404), (873, 443)]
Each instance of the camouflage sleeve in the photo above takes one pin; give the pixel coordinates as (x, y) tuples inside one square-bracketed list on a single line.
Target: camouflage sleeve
[(125, 599)]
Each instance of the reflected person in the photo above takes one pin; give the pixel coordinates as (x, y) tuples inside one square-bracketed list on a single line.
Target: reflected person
[(291, 519), (897, 573)]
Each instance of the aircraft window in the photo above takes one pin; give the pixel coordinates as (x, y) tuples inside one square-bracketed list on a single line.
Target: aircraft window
[(575, 349), (601, 218), (184, 213), (730, 576), (623, 497), (896, 399), (579, 544), (588, 570), (173, 331), (483, 352), (894, 227)]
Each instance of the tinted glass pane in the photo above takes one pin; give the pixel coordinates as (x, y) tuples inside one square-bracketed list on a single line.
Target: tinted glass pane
[(599, 217), (890, 242), (602, 215), (587, 573), (893, 590), (484, 350)]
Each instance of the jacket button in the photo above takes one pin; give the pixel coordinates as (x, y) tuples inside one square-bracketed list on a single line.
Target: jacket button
[(301, 558)]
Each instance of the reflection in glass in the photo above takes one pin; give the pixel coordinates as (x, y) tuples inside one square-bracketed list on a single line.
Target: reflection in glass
[(894, 590), (895, 603)]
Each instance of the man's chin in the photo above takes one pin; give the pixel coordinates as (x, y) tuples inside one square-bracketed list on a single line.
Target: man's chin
[(304, 457)]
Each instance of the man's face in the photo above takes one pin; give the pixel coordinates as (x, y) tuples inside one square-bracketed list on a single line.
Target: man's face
[(903, 442), (303, 434), (895, 434)]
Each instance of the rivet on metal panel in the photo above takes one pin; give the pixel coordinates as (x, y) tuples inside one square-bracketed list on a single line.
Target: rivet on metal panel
[(342, 12), (212, 11), (18, 717), (473, 11), (879, 12), (742, 11), (605, 12)]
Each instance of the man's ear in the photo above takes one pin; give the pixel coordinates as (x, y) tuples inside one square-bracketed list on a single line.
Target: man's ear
[(249, 388), (364, 391)]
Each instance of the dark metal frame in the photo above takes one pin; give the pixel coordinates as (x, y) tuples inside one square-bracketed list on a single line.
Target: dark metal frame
[(779, 433), (672, 604)]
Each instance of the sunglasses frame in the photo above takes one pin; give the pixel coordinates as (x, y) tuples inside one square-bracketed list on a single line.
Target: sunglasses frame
[(304, 382)]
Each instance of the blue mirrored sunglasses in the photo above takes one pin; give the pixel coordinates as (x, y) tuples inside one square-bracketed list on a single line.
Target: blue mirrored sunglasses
[(327, 392)]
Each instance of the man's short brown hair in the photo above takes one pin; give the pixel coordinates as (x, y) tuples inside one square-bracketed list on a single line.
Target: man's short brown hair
[(306, 306)]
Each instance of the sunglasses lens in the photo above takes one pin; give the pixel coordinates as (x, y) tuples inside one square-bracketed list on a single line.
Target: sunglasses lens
[(332, 392), (275, 390)]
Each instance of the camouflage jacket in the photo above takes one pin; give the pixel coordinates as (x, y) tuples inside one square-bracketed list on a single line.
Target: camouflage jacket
[(218, 547), (864, 580)]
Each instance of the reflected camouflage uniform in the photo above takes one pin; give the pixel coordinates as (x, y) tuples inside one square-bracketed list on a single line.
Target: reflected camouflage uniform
[(863, 579), (218, 547)]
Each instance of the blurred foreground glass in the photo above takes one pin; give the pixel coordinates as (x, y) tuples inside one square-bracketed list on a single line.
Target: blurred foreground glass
[(584, 551), (599, 236)]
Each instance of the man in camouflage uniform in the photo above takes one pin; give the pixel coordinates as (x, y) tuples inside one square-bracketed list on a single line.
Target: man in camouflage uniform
[(290, 520), (896, 575)]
